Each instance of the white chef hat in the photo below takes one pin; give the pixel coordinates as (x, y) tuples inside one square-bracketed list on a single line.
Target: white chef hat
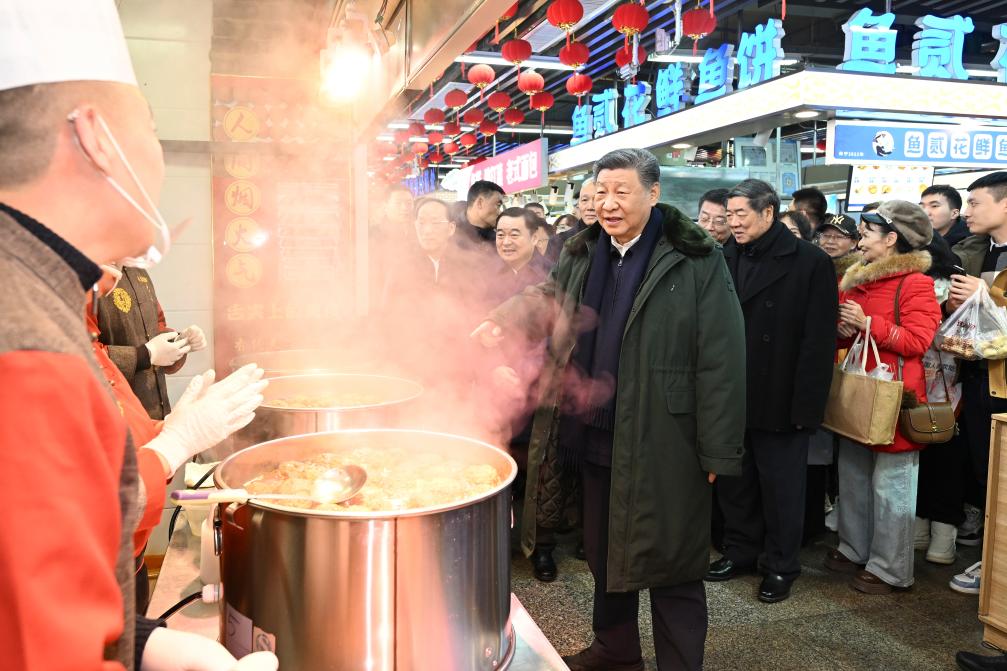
[(46, 41)]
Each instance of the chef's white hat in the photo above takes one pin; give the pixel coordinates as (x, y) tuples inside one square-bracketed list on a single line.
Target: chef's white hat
[(46, 41)]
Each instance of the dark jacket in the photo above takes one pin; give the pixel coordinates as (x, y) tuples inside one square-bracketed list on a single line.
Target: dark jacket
[(558, 240), (679, 400), (790, 309), (128, 318), (958, 232)]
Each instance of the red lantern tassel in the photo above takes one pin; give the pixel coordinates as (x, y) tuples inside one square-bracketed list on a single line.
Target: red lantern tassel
[(463, 69), (712, 10), (496, 32), (694, 47), (784, 17)]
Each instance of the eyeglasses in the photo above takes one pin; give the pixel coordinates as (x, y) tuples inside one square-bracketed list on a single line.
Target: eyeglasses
[(717, 221), (833, 237)]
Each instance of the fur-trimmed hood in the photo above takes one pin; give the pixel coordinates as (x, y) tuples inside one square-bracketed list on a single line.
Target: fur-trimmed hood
[(862, 273), (679, 230)]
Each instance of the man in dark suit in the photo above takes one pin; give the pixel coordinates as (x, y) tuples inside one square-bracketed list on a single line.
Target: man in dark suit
[(787, 288)]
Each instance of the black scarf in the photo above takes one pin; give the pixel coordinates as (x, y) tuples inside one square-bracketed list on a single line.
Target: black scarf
[(571, 430)]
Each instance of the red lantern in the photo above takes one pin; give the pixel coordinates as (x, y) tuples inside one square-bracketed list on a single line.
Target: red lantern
[(451, 148), (542, 101), (509, 14), (436, 158), (574, 54), (516, 51), (530, 82), (481, 76), (402, 136), (623, 56), (487, 127), (565, 14), (420, 147), (498, 101), (435, 138), (451, 128), (455, 99), (434, 116), (579, 85), (422, 163), (697, 24), (416, 129), (630, 19), (468, 140), (473, 117), (513, 116)]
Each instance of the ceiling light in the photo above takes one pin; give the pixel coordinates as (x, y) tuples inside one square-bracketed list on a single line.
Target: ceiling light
[(536, 62), (812, 150), (681, 145), (344, 70), (808, 114)]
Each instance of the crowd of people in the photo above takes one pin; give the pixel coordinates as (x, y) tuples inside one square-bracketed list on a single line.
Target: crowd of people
[(681, 373)]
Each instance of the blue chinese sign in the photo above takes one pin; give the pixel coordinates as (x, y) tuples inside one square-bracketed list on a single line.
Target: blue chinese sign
[(882, 143)]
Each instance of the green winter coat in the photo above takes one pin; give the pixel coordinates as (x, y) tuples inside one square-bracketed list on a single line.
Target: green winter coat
[(680, 399)]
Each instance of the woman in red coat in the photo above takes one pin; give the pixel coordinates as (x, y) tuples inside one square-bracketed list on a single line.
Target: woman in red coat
[(877, 483)]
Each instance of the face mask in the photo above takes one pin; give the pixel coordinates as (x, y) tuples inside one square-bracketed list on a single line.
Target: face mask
[(161, 245), (116, 276)]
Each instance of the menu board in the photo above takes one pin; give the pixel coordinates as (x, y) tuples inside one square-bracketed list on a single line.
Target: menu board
[(871, 183), (282, 220)]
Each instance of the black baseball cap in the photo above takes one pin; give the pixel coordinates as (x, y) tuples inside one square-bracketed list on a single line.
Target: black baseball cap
[(842, 223)]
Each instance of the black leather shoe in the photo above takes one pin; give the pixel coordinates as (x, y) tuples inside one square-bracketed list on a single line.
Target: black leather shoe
[(587, 660), (579, 552), (725, 569), (543, 565), (774, 588), (969, 661)]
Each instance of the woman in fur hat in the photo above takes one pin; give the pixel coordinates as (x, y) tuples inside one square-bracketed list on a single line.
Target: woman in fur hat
[(877, 483)]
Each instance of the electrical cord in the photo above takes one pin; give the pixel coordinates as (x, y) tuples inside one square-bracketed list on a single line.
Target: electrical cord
[(178, 509), (180, 605)]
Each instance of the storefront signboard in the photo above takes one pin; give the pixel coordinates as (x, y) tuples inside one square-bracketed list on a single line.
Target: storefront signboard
[(907, 144), (520, 169)]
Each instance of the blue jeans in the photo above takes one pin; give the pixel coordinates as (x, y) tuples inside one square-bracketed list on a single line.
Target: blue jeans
[(877, 508)]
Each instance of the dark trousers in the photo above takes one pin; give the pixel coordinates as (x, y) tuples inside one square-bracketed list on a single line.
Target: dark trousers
[(814, 502), (679, 612), (764, 506), (941, 484), (978, 407)]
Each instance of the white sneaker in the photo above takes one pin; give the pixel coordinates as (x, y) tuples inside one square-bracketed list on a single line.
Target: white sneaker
[(942, 543), (921, 533), (970, 532), (968, 582)]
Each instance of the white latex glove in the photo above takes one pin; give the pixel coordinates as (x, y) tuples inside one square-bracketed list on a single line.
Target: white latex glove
[(489, 334), (208, 413), (195, 336), (167, 348), (173, 650)]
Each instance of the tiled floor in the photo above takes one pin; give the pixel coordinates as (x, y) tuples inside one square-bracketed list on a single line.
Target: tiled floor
[(824, 626)]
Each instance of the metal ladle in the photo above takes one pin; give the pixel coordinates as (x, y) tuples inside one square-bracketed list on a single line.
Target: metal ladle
[(334, 486)]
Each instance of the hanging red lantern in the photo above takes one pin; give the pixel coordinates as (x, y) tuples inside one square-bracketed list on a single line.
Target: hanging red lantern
[(565, 14), (542, 101), (436, 158), (416, 129), (434, 116), (516, 51), (530, 82), (472, 47), (468, 140), (451, 148), (630, 19), (513, 116), (481, 76), (579, 85), (574, 54), (420, 147), (498, 101), (473, 117), (433, 137), (401, 136), (623, 56), (487, 127), (509, 14), (451, 128), (697, 24), (422, 163), (456, 99)]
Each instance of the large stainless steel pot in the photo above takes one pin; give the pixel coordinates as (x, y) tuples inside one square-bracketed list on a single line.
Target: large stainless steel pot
[(414, 590), (280, 363), (277, 422)]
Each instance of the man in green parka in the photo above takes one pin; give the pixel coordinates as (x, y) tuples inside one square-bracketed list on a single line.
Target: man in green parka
[(643, 399)]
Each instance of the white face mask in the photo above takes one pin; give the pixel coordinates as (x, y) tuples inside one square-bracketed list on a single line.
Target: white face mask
[(115, 273), (162, 243)]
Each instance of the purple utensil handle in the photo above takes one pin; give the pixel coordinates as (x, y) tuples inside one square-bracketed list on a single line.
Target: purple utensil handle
[(191, 494)]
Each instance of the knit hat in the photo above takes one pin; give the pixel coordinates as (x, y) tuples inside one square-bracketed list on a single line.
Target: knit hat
[(908, 219)]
